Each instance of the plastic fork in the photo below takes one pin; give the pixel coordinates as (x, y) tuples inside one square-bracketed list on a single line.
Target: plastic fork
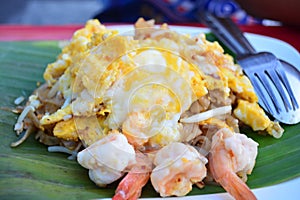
[(266, 73)]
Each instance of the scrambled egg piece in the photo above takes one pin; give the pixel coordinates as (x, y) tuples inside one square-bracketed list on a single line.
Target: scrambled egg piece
[(66, 130), (59, 115), (216, 122), (78, 44), (241, 85), (254, 116), (90, 129), (166, 135)]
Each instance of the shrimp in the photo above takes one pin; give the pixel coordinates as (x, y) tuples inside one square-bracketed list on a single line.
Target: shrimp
[(131, 185), (135, 128), (178, 167), (232, 153), (107, 158), (145, 129)]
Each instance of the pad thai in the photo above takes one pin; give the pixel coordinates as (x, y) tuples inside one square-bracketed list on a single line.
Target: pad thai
[(150, 105)]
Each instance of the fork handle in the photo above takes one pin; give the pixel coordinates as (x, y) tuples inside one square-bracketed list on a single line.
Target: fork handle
[(228, 33)]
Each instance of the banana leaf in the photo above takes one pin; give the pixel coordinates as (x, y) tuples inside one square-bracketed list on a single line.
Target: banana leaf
[(31, 172)]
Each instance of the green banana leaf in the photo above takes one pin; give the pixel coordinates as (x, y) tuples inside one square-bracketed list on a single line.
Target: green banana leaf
[(31, 172)]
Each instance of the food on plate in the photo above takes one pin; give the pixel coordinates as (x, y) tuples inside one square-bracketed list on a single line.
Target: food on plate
[(177, 167), (232, 157), (107, 158), (150, 105)]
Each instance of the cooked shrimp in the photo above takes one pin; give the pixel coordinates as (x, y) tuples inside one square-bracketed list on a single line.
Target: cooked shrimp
[(107, 158), (150, 129), (135, 128), (178, 167), (131, 185), (232, 153)]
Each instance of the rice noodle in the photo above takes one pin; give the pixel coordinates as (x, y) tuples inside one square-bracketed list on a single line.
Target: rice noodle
[(19, 100), (200, 184), (202, 144), (202, 151), (62, 149), (207, 114), (19, 125), (66, 103), (23, 137), (67, 117), (34, 119), (158, 33), (53, 90)]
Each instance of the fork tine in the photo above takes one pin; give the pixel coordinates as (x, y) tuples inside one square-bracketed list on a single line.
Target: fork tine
[(276, 80), (266, 82), (264, 99), (287, 85)]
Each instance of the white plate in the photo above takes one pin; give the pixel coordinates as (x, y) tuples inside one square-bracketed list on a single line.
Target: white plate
[(289, 189)]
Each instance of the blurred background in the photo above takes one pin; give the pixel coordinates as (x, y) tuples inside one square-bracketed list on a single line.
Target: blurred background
[(48, 11), (60, 12)]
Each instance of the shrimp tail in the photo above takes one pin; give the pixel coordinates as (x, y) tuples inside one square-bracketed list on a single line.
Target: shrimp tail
[(232, 184), (236, 187), (131, 186)]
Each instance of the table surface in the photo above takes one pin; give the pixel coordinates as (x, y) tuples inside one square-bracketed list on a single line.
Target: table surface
[(290, 35)]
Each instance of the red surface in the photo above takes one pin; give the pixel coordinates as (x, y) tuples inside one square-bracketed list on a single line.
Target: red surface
[(290, 35), (19, 33), (25, 32)]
